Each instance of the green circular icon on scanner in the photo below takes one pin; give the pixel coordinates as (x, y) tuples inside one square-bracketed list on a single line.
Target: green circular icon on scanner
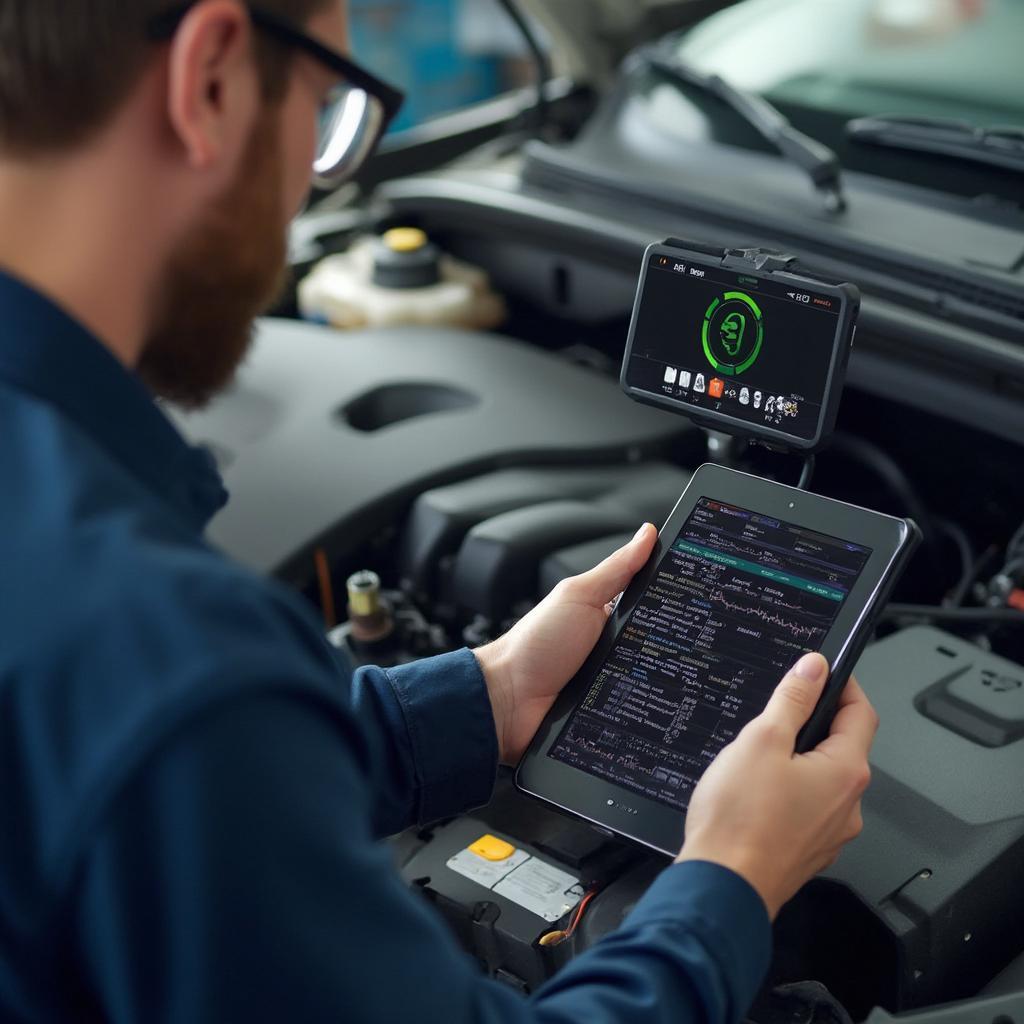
[(732, 333)]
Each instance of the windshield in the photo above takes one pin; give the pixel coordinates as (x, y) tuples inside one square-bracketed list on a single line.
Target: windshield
[(823, 63), (937, 58)]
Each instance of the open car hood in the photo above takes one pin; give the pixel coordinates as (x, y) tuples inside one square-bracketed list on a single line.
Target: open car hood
[(589, 37)]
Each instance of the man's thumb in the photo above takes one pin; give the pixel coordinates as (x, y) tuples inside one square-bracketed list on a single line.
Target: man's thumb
[(795, 697), (609, 578)]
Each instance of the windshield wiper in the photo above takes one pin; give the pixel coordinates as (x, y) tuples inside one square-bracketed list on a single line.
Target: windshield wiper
[(1001, 146), (818, 161)]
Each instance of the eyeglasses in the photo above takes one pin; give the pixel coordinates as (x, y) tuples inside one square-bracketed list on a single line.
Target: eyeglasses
[(353, 117)]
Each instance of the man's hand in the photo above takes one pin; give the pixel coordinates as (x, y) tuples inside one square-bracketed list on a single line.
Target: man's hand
[(775, 817), (527, 667)]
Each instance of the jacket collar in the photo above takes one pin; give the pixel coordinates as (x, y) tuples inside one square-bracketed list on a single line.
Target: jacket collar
[(47, 353)]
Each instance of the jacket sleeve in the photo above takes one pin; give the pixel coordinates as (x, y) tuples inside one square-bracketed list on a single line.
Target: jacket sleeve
[(431, 738), (235, 878)]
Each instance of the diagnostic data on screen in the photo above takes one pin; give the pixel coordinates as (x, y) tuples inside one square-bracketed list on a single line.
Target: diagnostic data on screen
[(737, 599), (755, 349)]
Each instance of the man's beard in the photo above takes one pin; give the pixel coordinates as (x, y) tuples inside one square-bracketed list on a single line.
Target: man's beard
[(224, 273)]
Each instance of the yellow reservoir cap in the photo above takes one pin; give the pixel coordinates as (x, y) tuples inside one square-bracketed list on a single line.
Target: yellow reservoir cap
[(492, 848), (405, 239)]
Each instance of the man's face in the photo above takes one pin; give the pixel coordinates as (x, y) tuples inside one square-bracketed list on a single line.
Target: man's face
[(226, 270), (231, 265)]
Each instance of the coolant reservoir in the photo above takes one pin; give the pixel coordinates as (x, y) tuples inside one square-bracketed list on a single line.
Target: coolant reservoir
[(399, 278)]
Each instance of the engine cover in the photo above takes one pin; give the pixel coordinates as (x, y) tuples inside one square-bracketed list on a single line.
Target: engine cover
[(925, 905), (327, 436)]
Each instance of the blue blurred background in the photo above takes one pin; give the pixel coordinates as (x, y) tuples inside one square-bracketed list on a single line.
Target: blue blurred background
[(446, 53)]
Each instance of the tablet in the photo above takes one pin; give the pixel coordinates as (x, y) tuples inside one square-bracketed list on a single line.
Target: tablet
[(746, 576)]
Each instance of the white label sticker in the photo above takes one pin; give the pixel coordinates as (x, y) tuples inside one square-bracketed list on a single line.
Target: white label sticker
[(487, 872), (542, 889)]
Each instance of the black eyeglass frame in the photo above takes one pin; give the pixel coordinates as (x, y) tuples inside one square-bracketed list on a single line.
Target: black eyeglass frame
[(163, 27)]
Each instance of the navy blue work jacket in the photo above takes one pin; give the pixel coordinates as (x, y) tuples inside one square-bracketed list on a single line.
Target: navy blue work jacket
[(192, 791)]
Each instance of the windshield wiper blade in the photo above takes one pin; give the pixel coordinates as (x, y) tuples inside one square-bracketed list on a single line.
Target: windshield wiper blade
[(1000, 146), (816, 160)]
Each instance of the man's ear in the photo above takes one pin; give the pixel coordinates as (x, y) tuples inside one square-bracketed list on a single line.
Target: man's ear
[(212, 84)]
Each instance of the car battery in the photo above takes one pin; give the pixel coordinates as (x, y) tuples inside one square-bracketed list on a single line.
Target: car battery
[(515, 878)]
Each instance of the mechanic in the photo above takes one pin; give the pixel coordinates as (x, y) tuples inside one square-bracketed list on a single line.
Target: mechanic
[(191, 789)]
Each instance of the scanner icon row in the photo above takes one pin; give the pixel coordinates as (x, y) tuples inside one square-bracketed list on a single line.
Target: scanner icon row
[(680, 377)]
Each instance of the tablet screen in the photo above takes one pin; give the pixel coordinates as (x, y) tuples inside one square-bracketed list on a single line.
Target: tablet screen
[(736, 599)]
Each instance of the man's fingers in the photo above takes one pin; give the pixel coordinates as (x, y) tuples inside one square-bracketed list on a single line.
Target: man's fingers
[(608, 579), (794, 698), (856, 722)]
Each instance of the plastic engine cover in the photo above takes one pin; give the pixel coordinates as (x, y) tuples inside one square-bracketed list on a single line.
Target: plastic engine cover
[(327, 436), (925, 905)]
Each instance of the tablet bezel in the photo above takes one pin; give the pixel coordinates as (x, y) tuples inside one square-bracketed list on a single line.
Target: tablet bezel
[(641, 818), (848, 298)]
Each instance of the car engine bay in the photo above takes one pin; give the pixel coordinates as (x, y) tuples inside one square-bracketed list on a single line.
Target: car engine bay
[(454, 476)]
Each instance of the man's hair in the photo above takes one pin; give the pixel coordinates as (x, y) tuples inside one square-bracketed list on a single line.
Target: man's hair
[(66, 67)]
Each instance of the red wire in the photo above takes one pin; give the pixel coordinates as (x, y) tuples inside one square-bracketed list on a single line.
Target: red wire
[(579, 912)]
